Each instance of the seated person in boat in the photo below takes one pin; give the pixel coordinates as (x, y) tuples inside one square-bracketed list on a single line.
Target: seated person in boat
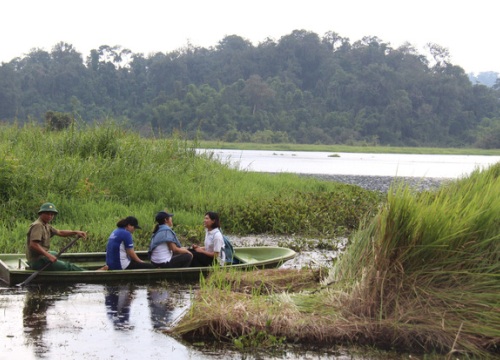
[(213, 251), (120, 253), (165, 250), (38, 241)]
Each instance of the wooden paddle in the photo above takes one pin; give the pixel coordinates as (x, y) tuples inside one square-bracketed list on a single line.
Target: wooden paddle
[(35, 274)]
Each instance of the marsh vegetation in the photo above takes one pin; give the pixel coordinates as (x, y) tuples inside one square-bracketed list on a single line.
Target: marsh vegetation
[(423, 275), (420, 271), (97, 175)]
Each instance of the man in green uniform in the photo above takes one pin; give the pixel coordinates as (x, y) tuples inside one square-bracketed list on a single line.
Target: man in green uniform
[(38, 241)]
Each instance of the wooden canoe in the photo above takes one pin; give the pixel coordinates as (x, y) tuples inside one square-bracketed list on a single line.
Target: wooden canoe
[(14, 269)]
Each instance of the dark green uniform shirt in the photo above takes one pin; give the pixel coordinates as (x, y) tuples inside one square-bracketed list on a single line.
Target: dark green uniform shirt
[(41, 232)]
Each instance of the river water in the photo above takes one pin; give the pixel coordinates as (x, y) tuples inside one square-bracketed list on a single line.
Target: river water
[(89, 322), (127, 321), (328, 163), (124, 321)]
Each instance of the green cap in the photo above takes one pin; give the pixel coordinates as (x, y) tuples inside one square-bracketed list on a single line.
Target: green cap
[(48, 207)]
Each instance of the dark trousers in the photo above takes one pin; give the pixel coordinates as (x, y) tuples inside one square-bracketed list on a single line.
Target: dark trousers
[(139, 265), (58, 265), (200, 259), (177, 261)]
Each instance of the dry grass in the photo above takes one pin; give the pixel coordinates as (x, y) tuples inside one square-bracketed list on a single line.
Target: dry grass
[(293, 305), (272, 281), (290, 304), (232, 304)]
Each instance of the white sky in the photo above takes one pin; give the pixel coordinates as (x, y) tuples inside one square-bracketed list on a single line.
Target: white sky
[(468, 29)]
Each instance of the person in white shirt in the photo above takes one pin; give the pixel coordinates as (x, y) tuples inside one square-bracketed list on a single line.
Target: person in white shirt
[(165, 250), (213, 250)]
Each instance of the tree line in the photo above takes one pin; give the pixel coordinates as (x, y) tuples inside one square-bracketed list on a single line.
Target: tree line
[(302, 88)]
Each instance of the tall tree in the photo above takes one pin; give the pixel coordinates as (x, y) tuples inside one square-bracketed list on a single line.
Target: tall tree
[(257, 92)]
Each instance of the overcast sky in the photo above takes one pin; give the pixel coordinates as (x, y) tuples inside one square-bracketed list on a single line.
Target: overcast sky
[(468, 29)]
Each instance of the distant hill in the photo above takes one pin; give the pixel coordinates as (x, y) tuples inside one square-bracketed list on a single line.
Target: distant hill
[(302, 88), (488, 78)]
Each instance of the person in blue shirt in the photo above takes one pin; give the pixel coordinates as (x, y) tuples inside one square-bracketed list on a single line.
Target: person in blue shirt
[(120, 254), (165, 250)]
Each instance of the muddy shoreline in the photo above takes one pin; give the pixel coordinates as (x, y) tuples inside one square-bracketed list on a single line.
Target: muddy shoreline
[(383, 183)]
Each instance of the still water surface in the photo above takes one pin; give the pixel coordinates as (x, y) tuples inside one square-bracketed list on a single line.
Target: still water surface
[(404, 165), (104, 322), (127, 321), (90, 322)]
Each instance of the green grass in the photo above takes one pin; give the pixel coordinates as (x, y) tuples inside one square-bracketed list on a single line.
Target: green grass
[(99, 174), (429, 264), (348, 148)]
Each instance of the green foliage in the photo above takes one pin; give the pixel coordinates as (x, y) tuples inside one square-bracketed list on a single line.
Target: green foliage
[(101, 142), (431, 261), (489, 134), (299, 89), (7, 171), (258, 339), (310, 212), (99, 174), (58, 120)]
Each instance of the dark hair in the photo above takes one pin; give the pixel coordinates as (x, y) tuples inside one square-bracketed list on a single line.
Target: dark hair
[(215, 218), (160, 219), (129, 220)]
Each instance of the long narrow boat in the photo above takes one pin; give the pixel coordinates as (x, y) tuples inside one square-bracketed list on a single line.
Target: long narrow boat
[(14, 269)]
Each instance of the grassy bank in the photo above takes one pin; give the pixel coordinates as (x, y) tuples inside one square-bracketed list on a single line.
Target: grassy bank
[(348, 148), (99, 174), (423, 275)]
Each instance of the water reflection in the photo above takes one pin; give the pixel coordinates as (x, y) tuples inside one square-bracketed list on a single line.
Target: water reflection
[(37, 302), (118, 300), (166, 305), (74, 322), (161, 307), (60, 322)]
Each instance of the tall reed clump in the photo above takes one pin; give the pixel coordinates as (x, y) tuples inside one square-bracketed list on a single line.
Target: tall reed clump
[(425, 272)]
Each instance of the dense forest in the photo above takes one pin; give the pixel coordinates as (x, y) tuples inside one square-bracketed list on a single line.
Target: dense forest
[(302, 88)]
